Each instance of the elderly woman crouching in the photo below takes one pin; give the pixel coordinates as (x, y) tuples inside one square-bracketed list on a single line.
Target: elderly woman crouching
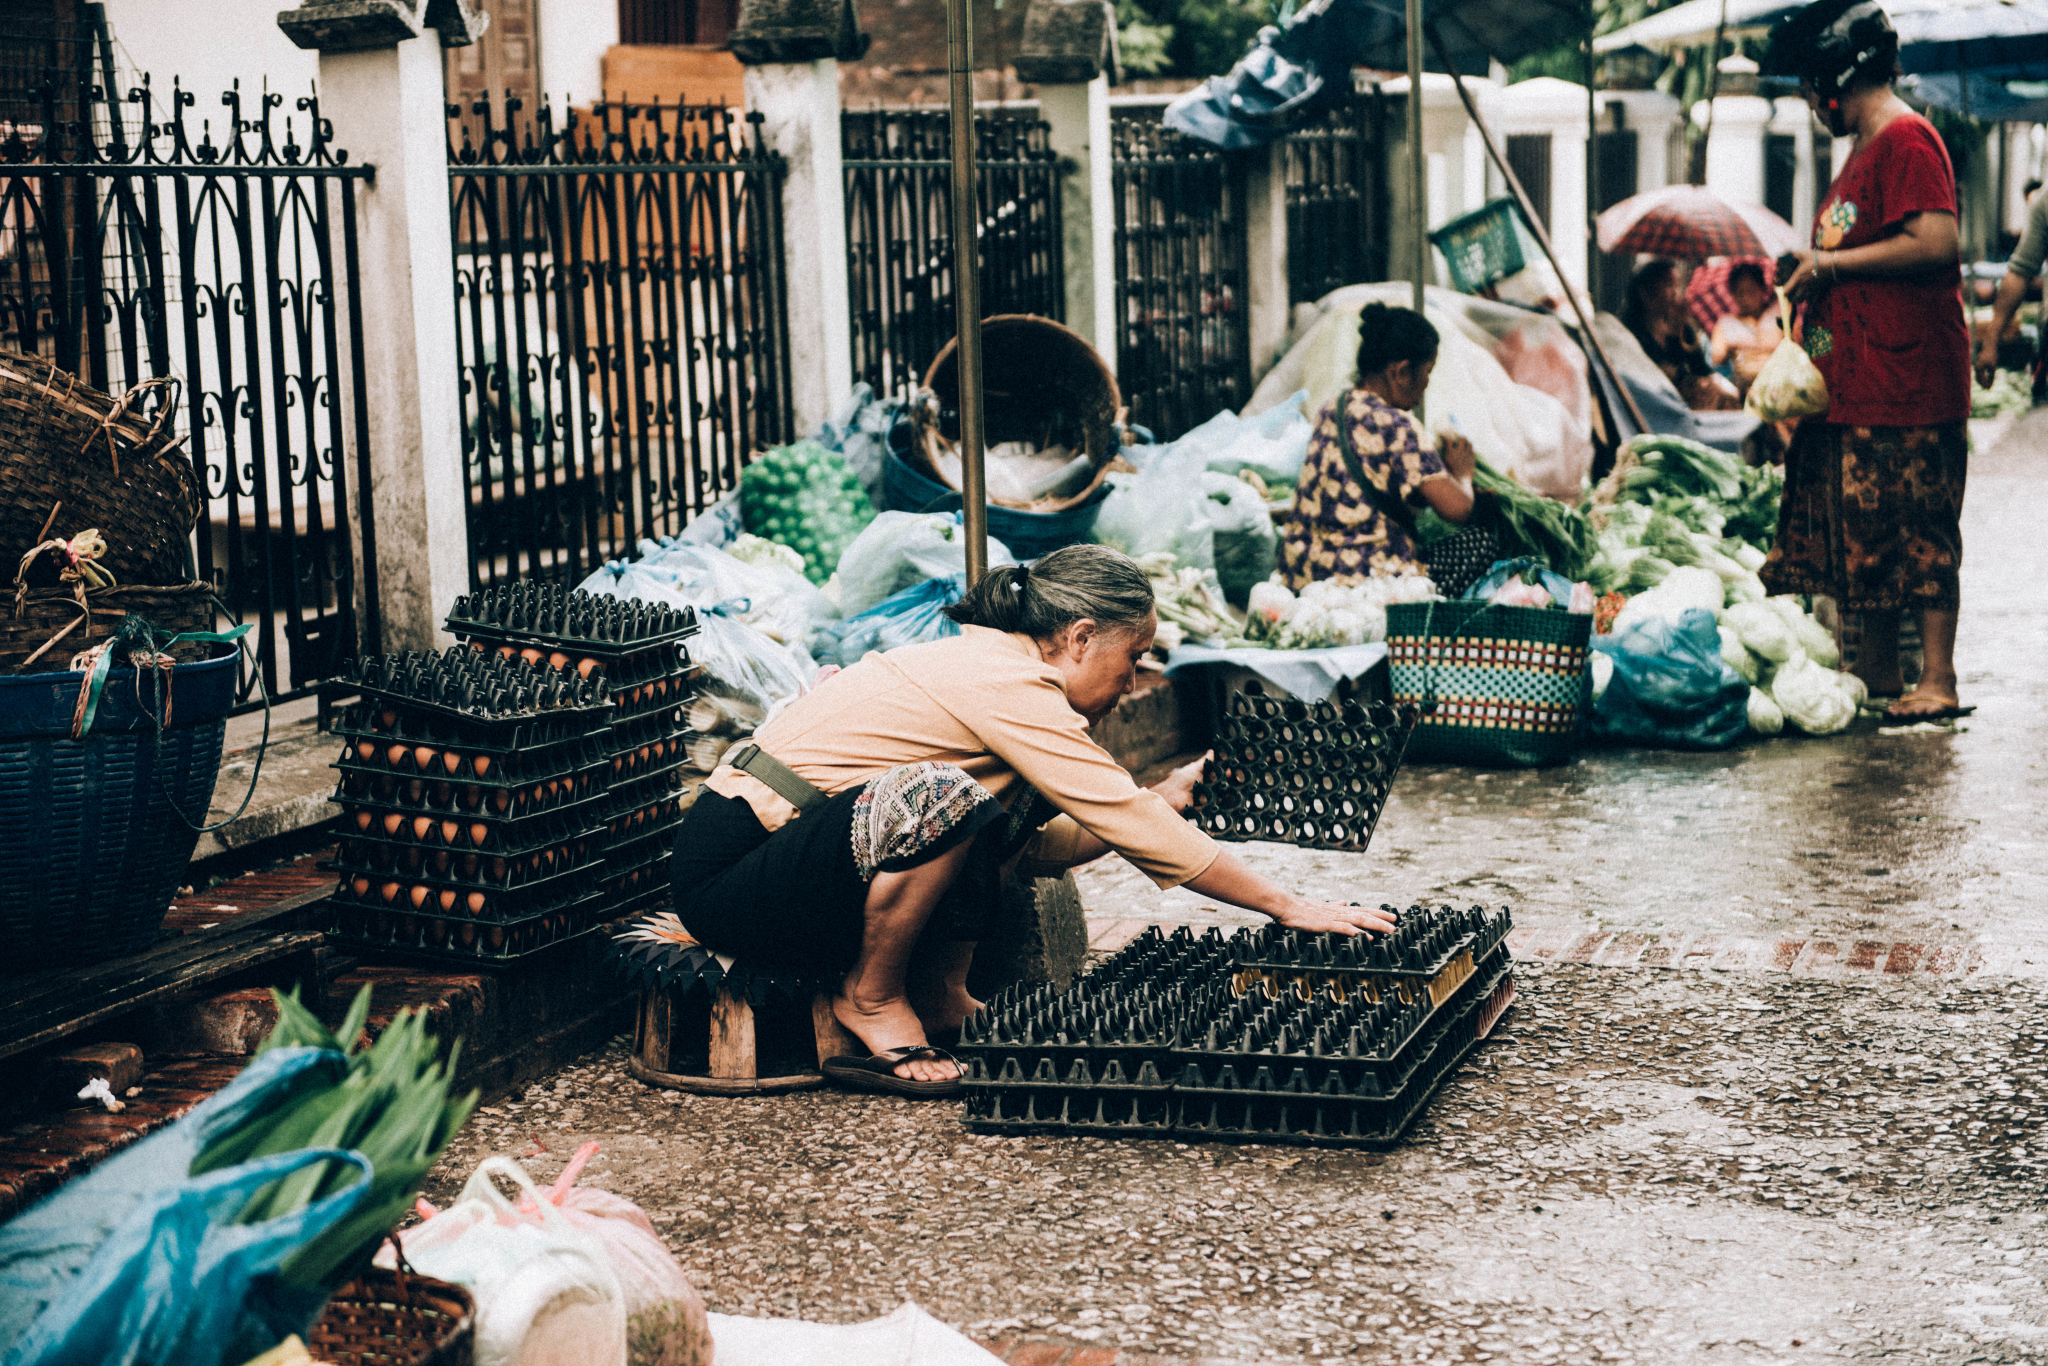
[(863, 834)]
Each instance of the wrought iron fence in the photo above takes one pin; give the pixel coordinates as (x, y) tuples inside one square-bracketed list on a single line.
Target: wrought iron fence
[(1337, 200), (1183, 316), (133, 244), (621, 324), (899, 239)]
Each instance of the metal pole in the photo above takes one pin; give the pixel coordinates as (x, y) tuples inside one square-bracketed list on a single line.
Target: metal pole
[(967, 286), (1537, 230), (1421, 261), (1595, 266)]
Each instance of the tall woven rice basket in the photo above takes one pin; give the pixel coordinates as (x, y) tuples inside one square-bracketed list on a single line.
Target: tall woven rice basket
[(114, 464)]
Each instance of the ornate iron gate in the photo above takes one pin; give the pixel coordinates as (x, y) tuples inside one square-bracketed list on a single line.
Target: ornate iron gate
[(621, 324), (899, 239), (1183, 315), (1337, 200), (134, 245)]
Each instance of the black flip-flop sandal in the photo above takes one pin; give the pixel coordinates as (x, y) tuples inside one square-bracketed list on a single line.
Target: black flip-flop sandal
[(877, 1072), (1914, 718)]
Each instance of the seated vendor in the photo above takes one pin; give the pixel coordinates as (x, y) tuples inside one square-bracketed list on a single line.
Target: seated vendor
[(1744, 339), (1661, 321), (1367, 472), (934, 766)]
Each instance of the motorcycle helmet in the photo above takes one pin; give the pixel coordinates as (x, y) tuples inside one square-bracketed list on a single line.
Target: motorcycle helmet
[(1832, 46)]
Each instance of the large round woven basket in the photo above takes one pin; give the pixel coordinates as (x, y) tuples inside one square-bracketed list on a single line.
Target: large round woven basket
[(126, 474), (396, 1318), (93, 850), (52, 618)]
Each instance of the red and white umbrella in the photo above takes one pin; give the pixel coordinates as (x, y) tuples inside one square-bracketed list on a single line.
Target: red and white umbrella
[(1692, 223)]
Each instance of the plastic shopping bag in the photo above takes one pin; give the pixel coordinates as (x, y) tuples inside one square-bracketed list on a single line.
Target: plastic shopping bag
[(139, 1262), (1789, 385), (1246, 545), (1670, 688), (1163, 507), (911, 617), (899, 550), (546, 1293)]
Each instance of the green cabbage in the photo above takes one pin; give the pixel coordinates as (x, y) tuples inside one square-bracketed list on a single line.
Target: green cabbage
[(1762, 630), (1765, 718)]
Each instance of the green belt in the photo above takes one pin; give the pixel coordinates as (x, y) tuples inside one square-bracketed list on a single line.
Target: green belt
[(750, 759)]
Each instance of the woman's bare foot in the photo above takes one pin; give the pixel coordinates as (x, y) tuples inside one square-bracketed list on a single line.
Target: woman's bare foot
[(944, 1008), (890, 1023)]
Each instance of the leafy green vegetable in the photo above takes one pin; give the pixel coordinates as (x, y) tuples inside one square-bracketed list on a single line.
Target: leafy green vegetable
[(1532, 525)]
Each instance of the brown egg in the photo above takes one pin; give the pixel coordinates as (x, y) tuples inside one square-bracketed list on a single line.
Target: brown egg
[(385, 787), (471, 797), (361, 886), (529, 655), (393, 823), (537, 793), (501, 799), (366, 751), (468, 865), (506, 652), (395, 755), (558, 660), (482, 765), (422, 827), (364, 820), (451, 831), (438, 861), (420, 893), (387, 718), (444, 794), (448, 899), (494, 935), (479, 834), (423, 757), (412, 858), (498, 869), (416, 791), (586, 667), (465, 933), (451, 761), (476, 902), (389, 891)]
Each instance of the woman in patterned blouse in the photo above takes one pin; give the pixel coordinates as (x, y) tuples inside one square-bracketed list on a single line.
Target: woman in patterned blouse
[(1340, 529)]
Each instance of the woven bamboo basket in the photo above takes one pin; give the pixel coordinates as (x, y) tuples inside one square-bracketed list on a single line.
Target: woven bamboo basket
[(112, 467), (396, 1318), (52, 614)]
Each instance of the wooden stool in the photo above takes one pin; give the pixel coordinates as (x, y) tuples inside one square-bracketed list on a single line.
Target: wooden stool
[(738, 1043)]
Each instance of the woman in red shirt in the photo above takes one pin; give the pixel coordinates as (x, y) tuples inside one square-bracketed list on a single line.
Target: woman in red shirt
[(1874, 492)]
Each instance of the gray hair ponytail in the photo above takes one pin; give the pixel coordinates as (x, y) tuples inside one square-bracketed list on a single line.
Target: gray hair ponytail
[(1092, 581)]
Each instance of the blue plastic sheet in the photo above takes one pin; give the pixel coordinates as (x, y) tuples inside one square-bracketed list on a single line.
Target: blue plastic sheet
[(139, 1262), (915, 615), (1671, 689)]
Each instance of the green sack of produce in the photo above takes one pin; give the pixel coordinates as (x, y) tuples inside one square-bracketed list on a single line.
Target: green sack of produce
[(807, 498)]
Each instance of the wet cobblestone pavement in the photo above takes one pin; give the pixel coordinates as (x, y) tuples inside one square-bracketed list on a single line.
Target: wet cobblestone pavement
[(1734, 1152)]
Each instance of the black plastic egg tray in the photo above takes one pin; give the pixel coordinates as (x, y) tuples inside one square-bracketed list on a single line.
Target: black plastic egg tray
[(1169, 1038), (1293, 772), (519, 613), (472, 699), (405, 933)]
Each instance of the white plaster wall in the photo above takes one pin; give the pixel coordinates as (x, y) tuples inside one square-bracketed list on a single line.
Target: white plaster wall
[(574, 35), (209, 46)]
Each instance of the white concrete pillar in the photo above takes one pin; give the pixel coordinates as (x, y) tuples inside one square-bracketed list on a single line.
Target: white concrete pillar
[(1546, 106), (1735, 146), (799, 105), (1791, 118), (1266, 255), (1455, 180), (388, 100), (1652, 115), (1078, 115)]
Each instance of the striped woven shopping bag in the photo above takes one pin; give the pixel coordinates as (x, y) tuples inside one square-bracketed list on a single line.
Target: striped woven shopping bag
[(1505, 687)]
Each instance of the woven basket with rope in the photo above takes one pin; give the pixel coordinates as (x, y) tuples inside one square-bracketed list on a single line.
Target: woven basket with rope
[(114, 464)]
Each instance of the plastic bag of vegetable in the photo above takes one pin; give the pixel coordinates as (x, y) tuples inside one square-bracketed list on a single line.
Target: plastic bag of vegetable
[(915, 615), (1670, 688), (546, 1293), (764, 592), (899, 550), (1812, 698), (859, 431), (1764, 716), (805, 497), (1162, 508), (1762, 631), (1245, 542), (1790, 385), (1737, 654), (1816, 640)]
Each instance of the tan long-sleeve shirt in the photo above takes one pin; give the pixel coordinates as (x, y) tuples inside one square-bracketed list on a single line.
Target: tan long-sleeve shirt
[(986, 701)]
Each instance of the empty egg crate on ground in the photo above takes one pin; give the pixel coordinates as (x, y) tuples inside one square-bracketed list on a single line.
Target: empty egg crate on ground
[(1293, 772), (637, 651), (1260, 1037)]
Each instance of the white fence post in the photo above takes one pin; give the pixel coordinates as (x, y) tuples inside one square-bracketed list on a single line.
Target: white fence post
[(380, 83), (792, 50), (1068, 53)]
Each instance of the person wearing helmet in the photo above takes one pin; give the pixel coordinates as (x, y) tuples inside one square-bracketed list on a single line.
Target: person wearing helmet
[(1874, 490)]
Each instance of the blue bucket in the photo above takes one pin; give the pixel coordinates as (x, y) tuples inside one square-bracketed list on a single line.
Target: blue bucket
[(93, 851), (1028, 535)]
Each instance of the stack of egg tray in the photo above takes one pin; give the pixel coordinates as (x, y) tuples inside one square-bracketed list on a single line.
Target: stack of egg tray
[(472, 797), (1293, 772), (1259, 1038), (637, 649)]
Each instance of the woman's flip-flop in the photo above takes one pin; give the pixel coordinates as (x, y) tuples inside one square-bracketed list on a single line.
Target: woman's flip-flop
[(877, 1072), (1892, 718)]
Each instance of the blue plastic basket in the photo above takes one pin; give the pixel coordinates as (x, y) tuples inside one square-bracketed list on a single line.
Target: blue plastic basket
[(1027, 535), (91, 851)]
